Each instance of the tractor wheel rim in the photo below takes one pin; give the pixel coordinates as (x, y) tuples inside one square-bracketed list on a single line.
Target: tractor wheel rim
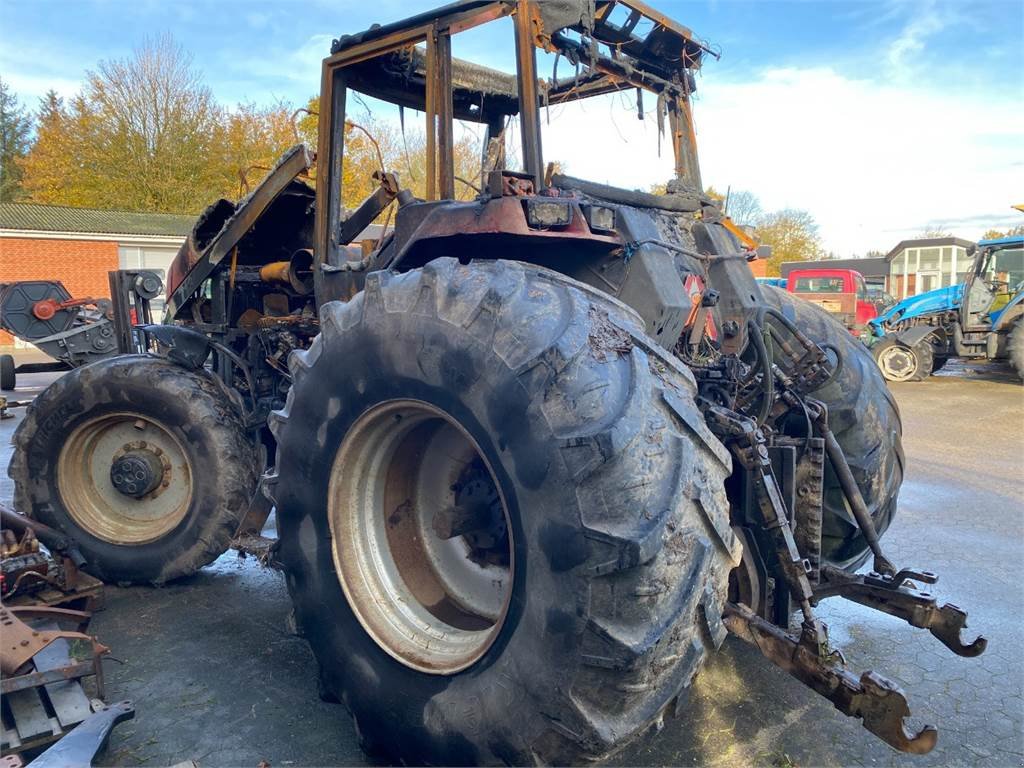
[(435, 604), (898, 363), (95, 496)]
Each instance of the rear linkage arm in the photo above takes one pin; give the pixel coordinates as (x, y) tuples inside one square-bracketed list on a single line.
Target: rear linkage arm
[(879, 702), (886, 589), (897, 596)]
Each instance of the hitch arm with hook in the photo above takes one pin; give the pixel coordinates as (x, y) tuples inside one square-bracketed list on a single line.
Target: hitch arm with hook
[(880, 703), (892, 595)]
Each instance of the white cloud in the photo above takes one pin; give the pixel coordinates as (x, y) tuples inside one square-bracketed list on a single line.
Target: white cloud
[(873, 161), (30, 88), (925, 21)]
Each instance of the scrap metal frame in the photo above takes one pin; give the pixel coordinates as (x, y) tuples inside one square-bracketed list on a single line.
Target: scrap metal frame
[(631, 65)]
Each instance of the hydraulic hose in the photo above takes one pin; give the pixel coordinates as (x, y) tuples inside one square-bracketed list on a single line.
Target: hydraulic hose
[(767, 377)]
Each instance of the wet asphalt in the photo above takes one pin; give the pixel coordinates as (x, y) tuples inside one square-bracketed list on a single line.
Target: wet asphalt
[(217, 677)]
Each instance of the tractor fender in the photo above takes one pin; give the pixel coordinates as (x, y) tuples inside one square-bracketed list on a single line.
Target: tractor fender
[(181, 346), (911, 337), (1003, 321)]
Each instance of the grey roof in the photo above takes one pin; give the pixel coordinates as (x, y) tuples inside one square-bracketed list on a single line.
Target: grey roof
[(867, 267), (61, 218), (926, 242)]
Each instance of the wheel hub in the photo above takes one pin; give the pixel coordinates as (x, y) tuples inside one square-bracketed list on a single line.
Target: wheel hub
[(898, 362), (137, 473), (125, 478), (422, 544)]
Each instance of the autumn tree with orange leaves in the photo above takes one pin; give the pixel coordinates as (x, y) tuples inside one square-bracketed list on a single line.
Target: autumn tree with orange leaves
[(146, 134)]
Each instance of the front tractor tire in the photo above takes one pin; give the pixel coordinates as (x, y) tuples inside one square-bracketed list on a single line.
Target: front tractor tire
[(502, 518), (899, 362), (146, 465)]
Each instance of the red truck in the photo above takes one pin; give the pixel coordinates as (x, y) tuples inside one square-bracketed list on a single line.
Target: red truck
[(842, 292)]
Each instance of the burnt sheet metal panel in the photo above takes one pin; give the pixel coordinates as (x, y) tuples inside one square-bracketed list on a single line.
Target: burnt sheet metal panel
[(652, 285)]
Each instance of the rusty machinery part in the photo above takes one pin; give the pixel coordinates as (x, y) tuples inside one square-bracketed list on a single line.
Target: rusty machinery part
[(878, 702), (23, 567), (296, 273), (897, 595), (80, 746), (53, 540), (762, 363), (171, 467), (555, 415), (146, 490), (21, 642)]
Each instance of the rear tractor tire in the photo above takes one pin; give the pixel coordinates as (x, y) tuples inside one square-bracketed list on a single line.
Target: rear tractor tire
[(146, 465), (502, 519)]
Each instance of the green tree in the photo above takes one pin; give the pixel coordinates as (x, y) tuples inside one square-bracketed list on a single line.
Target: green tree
[(15, 130), (140, 136), (793, 236), (247, 143)]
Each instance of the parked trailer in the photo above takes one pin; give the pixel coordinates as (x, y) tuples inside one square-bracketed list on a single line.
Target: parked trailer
[(981, 318), (533, 455)]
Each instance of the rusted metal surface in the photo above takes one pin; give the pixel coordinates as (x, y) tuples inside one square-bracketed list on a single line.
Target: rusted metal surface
[(20, 642), (878, 702), (529, 107), (502, 216), (897, 596), (754, 370), (36, 679), (295, 161)]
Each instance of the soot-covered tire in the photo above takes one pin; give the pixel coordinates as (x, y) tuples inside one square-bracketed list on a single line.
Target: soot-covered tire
[(865, 419), (499, 381), (1015, 347), (146, 465)]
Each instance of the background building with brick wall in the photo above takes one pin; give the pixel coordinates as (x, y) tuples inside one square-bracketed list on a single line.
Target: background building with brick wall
[(78, 246)]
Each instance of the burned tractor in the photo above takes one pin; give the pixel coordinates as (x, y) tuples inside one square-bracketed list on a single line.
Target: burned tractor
[(532, 455)]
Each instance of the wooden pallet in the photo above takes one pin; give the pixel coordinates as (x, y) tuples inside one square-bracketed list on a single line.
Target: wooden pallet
[(86, 595), (34, 717)]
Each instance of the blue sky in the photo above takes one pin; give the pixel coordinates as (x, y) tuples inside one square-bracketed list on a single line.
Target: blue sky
[(879, 117)]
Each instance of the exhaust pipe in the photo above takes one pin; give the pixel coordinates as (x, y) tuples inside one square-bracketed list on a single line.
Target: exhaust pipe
[(296, 273)]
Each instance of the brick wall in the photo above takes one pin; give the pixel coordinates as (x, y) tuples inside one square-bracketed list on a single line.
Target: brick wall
[(82, 265), (759, 267)]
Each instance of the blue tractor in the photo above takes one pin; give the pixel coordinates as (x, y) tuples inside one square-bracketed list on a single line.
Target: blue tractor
[(983, 317)]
